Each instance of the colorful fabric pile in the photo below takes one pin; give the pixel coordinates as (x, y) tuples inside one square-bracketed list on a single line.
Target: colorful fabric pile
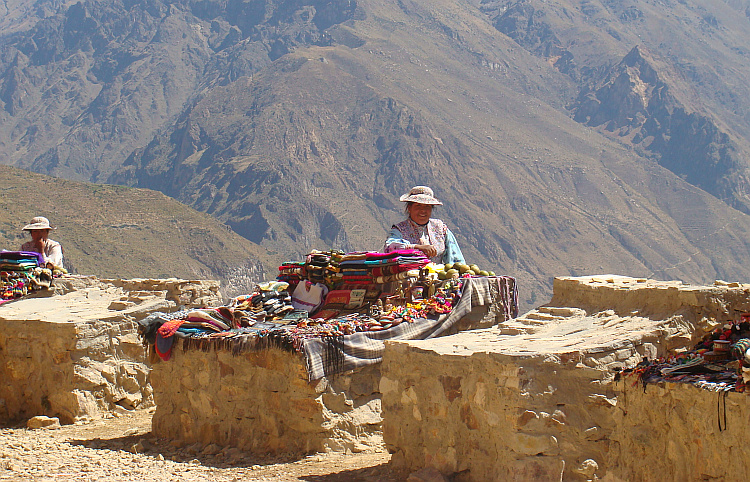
[(337, 308), (20, 273), (380, 268), (257, 316), (318, 267), (330, 345), (292, 272), (719, 362), (269, 301)]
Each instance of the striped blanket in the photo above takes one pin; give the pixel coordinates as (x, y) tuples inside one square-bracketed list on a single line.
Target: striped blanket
[(331, 355)]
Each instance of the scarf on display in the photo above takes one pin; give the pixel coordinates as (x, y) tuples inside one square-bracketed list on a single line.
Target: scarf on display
[(432, 233)]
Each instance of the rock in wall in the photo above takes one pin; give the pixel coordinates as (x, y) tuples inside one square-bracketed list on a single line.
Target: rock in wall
[(537, 398), (75, 353), (261, 401)]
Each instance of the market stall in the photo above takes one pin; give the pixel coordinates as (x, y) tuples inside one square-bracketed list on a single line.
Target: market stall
[(293, 367), (21, 273), (339, 309), (720, 362)]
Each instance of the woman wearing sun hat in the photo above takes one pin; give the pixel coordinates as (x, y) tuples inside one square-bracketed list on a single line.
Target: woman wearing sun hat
[(40, 243), (420, 231)]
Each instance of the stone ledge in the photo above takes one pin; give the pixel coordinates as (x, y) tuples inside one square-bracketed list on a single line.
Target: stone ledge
[(536, 399), (74, 352)]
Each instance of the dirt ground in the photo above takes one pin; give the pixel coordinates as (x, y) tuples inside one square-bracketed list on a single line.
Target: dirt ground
[(124, 449)]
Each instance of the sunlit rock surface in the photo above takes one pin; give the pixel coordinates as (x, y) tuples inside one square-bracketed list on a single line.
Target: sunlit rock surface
[(536, 398), (74, 352)]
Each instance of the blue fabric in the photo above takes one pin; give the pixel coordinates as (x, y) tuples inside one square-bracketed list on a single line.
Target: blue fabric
[(452, 252)]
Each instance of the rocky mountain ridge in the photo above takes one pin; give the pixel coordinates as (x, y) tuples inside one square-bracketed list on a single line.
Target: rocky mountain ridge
[(564, 137), (114, 231)]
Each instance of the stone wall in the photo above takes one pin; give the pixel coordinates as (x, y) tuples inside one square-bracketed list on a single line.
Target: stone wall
[(676, 432), (536, 398), (74, 351), (261, 401)]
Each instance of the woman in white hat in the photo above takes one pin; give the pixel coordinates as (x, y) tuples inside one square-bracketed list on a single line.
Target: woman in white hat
[(420, 231), (40, 243)]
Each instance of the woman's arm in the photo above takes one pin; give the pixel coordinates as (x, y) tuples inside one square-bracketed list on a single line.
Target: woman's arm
[(55, 255), (395, 241), (452, 252)]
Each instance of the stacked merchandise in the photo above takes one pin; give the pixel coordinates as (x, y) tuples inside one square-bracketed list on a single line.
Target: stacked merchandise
[(720, 362), (247, 323), (381, 316), (269, 301), (21, 272), (318, 267), (268, 307), (332, 299), (292, 272), (381, 268)]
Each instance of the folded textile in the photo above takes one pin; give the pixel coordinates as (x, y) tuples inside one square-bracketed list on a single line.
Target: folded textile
[(201, 324), (399, 268), (353, 256), (402, 260), (169, 327), (397, 277), (212, 316), (163, 346), (394, 254), (23, 255)]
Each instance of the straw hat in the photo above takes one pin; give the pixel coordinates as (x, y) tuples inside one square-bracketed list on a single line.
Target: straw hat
[(421, 195), (39, 222)]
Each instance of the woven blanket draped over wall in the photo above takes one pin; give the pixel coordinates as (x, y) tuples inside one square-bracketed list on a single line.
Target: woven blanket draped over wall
[(331, 355)]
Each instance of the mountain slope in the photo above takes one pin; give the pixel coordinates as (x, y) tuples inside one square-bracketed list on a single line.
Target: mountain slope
[(564, 137), (528, 191), (679, 95), (113, 231)]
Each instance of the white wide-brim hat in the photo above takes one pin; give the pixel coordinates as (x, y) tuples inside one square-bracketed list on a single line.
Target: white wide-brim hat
[(421, 195), (39, 222)]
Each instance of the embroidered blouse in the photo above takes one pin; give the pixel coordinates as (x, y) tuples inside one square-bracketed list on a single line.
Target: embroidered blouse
[(407, 233)]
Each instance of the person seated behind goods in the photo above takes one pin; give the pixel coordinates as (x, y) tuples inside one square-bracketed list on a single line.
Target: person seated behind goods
[(420, 231), (40, 243)]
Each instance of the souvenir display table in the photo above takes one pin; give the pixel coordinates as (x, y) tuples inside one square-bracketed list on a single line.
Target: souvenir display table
[(21, 273), (337, 310), (264, 374)]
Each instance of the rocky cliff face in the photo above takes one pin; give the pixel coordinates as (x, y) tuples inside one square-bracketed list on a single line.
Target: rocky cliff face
[(634, 102), (90, 83), (224, 159), (299, 124)]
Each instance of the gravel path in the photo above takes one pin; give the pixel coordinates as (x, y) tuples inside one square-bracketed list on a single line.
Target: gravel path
[(124, 449)]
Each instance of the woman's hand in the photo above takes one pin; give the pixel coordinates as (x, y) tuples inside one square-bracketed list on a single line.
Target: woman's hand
[(41, 245), (428, 249)]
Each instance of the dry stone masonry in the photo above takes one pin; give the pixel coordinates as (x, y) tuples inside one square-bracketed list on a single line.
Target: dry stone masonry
[(541, 397), (74, 352), (538, 398), (261, 402)]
